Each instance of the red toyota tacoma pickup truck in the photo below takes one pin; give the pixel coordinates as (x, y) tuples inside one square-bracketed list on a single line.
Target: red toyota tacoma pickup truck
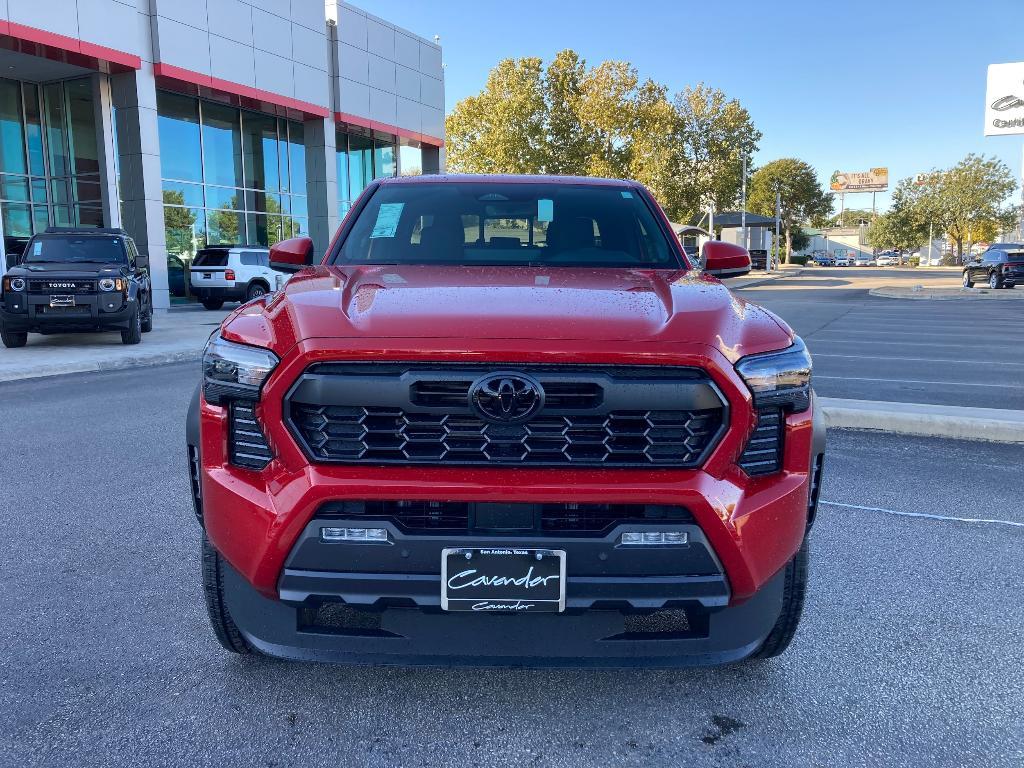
[(505, 421)]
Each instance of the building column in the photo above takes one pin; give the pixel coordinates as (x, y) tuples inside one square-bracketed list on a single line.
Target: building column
[(321, 183), (138, 151), (433, 159), (103, 107)]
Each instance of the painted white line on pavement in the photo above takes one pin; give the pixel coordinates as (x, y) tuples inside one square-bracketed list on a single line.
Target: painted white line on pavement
[(921, 381), (918, 359), (925, 515)]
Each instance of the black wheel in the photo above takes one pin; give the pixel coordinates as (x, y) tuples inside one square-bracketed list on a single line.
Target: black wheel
[(994, 281), (213, 303), (224, 627), (968, 283), (794, 589), (133, 334), (147, 319), (255, 291), (14, 339)]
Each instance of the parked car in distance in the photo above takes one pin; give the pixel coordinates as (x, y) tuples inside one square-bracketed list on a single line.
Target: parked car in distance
[(175, 275), (1001, 266), (844, 259), (76, 280), (353, 441), (822, 260), (863, 260), (232, 273), (885, 260)]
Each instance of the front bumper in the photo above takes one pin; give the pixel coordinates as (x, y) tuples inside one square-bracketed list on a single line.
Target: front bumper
[(90, 313)]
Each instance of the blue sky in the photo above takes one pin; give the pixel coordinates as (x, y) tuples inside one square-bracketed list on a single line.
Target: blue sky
[(848, 85)]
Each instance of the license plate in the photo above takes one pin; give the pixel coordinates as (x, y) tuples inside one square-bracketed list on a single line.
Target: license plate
[(206, 275), (62, 301), (503, 580)]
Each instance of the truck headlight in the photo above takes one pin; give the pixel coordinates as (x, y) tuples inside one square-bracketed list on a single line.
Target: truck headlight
[(233, 370), (111, 284), (14, 284), (781, 378)]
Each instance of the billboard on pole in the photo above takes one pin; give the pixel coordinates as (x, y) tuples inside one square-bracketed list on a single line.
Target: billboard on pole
[(1004, 99), (875, 180)]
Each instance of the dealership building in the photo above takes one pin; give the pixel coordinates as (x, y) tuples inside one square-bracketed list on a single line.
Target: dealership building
[(202, 122)]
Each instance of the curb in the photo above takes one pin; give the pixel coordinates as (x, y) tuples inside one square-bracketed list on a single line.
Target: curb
[(966, 294), (766, 279), (949, 421), (139, 361)]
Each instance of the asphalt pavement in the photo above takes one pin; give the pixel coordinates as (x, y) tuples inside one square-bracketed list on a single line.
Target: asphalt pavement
[(953, 352), (910, 652)]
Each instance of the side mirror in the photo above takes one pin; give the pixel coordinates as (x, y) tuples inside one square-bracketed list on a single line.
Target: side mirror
[(725, 259), (291, 255)]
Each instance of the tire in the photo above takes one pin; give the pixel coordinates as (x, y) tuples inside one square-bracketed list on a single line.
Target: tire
[(994, 281), (14, 339), (133, 334), (968, 283), (255, 291), (147, 320), (793, 592), (213, 303), (224, 627)]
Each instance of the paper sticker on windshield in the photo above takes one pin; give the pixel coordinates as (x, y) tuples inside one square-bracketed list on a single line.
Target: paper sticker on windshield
[(387, 220), (627, 195), (37, 248), (545, 210)]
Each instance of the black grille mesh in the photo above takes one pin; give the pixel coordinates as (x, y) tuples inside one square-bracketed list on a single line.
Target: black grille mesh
[(391, 435), (763, 454), (248, 444)]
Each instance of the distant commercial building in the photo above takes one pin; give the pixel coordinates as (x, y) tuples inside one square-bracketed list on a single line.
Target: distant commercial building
[(194, 122)]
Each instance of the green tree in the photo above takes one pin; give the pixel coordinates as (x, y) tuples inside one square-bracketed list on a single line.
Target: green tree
[(568, 142), (179, 223), (896, 230), (969, 196), (802, 196)]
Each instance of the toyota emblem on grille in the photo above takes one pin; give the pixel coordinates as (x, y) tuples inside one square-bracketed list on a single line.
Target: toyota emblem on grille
[(506, 398)]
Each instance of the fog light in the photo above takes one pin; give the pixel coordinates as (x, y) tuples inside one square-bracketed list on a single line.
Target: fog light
[(364, 535), (653, 537)]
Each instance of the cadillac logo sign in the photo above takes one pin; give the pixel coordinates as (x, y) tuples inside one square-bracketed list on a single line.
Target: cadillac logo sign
[(506, 397), (1004, 99)]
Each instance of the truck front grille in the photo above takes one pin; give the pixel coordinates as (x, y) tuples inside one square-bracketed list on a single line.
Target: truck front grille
[(763, 454), (248, 444), (407, 413), (62, 287)]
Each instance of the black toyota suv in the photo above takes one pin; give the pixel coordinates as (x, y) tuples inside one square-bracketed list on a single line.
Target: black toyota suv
[(70, 280)]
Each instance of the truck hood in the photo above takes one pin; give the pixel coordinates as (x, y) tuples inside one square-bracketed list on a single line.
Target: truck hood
[(542, 303), (64, 269)]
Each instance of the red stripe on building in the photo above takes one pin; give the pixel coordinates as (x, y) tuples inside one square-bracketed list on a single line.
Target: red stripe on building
[(245, 92), (93, 54), (374, 125)]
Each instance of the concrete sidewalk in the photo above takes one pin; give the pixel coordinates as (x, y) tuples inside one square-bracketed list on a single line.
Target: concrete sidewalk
[(178, 335), (956, 422), (919, 293), (759, 277)]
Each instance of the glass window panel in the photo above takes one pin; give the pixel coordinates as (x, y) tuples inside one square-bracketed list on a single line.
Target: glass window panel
[(224, 197), (184, 229), (13, 187), (180, 156), (16, 219), (298, 226), (299, 206), (82, 119), (34, 130), (180, 193), (260, 154), (343, 208), (297, 158), (61, 190), (264, 229), (89, 217), (40, 194), (40, 217), (360, 163), (12, 137), (86, 190), (222, 145), (62, 216), (410, 160), (341, 158), (384, 160), (225, 228), (56, 133)]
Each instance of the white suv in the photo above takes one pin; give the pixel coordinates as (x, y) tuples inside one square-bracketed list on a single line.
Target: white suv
[(235, 273)]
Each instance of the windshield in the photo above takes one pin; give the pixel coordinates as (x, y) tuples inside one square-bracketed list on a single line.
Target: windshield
[(507, 224), (71, 249)]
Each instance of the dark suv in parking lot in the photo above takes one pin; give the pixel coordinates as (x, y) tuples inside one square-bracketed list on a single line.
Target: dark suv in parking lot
[(70, 280), (1001, 266)]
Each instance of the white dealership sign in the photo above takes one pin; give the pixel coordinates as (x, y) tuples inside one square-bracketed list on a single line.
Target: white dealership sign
[(1004, 99)]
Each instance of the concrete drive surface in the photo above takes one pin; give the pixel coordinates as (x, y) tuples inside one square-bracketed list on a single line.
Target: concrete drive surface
[(920, 292), (178, 334), (960, 353), (911, 652)]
